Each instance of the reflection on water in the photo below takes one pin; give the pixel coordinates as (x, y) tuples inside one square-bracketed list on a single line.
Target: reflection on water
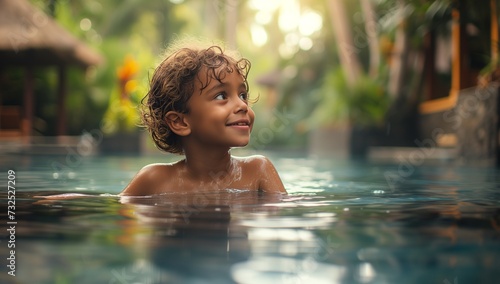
[(341, 223)]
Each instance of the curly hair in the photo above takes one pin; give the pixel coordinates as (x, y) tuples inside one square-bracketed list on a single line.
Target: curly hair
[(172, 84)]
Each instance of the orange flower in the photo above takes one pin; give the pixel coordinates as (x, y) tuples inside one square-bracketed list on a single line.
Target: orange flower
[(128, 69)]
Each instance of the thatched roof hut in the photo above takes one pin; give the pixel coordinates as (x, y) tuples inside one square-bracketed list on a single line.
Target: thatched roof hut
[(31, 39)]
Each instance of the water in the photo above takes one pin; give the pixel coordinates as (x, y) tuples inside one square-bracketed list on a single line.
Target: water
[(343, 222)]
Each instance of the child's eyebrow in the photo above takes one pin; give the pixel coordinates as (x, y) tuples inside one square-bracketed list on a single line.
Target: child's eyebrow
[(219, 85), (222, 85)]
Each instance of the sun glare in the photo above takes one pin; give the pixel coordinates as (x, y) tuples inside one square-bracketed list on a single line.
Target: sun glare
[(289, 14), (310, 22), (259, 35), (298, 25)]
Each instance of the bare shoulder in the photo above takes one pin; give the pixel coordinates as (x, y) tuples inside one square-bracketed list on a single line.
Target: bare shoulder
[(153, 170), (256, 163), (149, 179), (264, 171), (253, 161)]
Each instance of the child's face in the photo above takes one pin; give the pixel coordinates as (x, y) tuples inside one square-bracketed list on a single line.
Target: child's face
[(220, 115)]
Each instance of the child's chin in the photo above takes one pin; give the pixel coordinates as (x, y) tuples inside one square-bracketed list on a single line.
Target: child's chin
[(240, 144)]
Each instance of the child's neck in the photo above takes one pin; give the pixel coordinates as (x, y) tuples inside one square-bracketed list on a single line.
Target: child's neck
[(209, 164)]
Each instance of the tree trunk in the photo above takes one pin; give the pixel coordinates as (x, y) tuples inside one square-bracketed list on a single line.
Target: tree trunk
[(371, 29), (231, 15), (343, 35), (399, 54)]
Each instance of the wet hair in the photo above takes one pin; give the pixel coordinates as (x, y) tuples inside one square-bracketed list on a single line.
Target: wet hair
[(173, 83)]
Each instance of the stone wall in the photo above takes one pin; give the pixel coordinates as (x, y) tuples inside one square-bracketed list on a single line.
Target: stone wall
[(473, 122)]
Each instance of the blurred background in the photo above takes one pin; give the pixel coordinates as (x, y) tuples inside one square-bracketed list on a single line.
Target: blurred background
[(363, 78)]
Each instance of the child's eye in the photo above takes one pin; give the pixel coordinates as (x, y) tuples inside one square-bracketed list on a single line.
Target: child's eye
[(220, 96), (244, 96)]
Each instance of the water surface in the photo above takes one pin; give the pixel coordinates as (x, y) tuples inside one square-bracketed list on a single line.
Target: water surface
[(342, 222)]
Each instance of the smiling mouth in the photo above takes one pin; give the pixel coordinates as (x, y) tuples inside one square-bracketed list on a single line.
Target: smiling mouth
[(239, 124), (242, 122)]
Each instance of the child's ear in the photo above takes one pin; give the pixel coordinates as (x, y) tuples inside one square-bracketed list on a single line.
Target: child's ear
[(177, 122)]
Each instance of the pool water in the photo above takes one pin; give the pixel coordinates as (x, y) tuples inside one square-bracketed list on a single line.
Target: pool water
[(342, 222)]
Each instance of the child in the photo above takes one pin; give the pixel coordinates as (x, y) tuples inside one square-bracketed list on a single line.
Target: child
[(197, 105)]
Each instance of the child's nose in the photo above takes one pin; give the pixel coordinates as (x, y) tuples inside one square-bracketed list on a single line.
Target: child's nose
[(241, 105)]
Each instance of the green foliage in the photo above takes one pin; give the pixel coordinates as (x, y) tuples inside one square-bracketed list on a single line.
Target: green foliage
[(121, 116), (365, 103), (84, 97), (368, 102), (333, 99)]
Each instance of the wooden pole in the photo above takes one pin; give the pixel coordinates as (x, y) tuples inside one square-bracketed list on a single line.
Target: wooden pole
[(494, 33), (429, 65), (28, 100), (61, 101), (456, 50), (1, 84)]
